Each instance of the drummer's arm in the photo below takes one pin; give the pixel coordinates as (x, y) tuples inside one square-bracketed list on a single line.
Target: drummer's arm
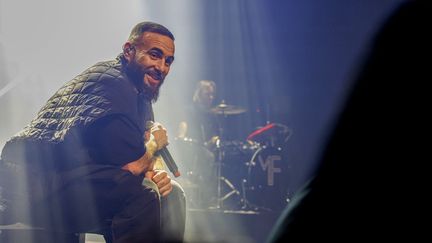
[(212, 143), (182, 130)]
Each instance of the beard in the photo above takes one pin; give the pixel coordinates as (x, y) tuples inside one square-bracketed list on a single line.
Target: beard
[(137, 73)]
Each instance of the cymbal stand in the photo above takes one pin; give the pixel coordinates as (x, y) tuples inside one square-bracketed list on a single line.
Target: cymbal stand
[(219, 173), (220, 178), (246, 204)]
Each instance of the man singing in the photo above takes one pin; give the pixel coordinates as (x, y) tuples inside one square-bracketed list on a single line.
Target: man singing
[(79, 165)]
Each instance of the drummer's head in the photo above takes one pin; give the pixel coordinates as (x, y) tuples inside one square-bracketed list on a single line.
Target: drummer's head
[(205, 93)]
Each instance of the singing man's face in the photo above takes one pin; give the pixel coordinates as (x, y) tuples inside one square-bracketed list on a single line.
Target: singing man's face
[(152, 59)]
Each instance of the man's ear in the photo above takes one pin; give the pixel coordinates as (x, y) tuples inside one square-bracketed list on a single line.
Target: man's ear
[(128, 51)]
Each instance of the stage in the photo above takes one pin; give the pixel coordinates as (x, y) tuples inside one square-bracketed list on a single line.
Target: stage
[(212, 225)]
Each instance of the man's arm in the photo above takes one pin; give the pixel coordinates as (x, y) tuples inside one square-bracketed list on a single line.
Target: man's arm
[(145, 162), (157, 139), (116, 141)]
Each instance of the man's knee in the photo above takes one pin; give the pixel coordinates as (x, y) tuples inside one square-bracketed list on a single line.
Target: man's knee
[(146, 198), (139, 218), (174, 214), (145, 205), (177, 191)]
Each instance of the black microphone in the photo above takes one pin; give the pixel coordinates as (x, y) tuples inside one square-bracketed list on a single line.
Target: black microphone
[(166, 156)]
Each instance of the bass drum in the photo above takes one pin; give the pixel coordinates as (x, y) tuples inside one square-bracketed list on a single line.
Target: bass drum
[(268, 180), (195, 163)]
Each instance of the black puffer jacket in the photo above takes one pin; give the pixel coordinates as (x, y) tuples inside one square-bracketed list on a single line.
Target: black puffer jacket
[(54, 137)]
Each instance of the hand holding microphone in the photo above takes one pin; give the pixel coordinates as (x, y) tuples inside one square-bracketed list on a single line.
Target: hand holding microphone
[(162, 150)]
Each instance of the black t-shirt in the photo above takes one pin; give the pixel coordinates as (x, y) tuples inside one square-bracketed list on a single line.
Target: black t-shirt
[(115, 140)]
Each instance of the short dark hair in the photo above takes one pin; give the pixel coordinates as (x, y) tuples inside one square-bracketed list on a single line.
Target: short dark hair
[(147, 26)]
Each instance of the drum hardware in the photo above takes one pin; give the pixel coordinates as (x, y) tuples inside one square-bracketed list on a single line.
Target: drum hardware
[(224, 109), (267, 186), (245, 175), (246, 204), (272, 134), (233, 190), (196, 162), (267, 172), (231, 186), (259, 183), (230, 155)]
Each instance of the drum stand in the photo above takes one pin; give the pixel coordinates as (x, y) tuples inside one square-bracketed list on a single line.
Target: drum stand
[(221, 198), (246, 204), (220, 156)]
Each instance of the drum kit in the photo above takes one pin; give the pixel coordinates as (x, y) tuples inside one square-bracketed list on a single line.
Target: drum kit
[(235, 175)]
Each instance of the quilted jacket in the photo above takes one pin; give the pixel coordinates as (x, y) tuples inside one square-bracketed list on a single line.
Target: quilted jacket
[(102, 90)]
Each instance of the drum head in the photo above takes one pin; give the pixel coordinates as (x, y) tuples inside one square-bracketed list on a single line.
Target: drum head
[(269, 176)]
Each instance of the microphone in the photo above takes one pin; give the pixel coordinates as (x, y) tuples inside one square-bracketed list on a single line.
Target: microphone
[(166, 156), (169, 161)]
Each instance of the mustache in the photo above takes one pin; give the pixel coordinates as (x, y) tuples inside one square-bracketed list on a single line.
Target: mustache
[(137, 73), (155, 74)]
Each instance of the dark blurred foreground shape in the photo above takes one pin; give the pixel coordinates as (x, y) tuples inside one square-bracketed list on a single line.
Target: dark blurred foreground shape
[(369, 183)]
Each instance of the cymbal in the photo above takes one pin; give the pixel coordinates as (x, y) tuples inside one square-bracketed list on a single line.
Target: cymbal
[(224, 109)]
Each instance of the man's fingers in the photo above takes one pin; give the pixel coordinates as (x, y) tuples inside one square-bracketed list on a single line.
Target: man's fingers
[(149, 175), (165, 190), (157, 127), (159, 176), (163, 182)]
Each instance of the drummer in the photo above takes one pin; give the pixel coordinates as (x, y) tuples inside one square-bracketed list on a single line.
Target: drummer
[(199, 124)]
